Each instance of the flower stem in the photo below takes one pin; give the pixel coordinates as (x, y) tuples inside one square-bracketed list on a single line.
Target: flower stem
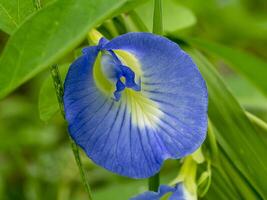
[(154, 181), (157, 18), (59, 92)]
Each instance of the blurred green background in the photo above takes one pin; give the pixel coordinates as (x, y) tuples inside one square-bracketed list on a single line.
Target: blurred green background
[(36, 161)]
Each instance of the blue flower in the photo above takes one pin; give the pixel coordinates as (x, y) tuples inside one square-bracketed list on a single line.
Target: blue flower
[(178, 192), (135, 101)]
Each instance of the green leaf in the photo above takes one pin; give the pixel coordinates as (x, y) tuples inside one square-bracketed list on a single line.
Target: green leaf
[(236, 134), (13, 13), (243, 187), (50, 34), (175, 16), (253, 68), (221, 187), (228, 182), (246, 93), (48, 103)]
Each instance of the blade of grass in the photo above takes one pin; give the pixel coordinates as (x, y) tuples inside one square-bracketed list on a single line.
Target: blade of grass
[(157, 18)]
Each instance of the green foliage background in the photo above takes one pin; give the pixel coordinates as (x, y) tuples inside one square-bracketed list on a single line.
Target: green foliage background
[(226, 38)]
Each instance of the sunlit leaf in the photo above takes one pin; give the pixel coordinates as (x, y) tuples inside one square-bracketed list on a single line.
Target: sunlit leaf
[(13, 13), (50, 34)]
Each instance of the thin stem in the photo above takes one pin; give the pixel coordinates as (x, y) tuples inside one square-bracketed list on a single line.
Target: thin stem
[(153, 182), (76, 153), (59, 91), (157, 18)]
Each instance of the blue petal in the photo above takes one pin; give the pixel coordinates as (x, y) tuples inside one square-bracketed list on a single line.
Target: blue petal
[(132, 137), (172, 80), (130, 78), (149, 195), (119, 87), (115, 70), (179, 193)]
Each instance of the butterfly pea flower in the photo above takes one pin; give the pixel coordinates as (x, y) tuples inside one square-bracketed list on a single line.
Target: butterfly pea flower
[(177, 192), (135, 101)]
